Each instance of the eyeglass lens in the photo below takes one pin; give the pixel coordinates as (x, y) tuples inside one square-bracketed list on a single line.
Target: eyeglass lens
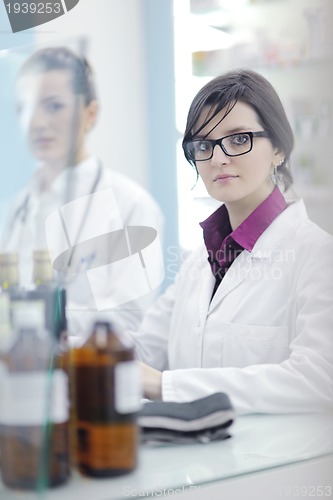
[(232, 145)]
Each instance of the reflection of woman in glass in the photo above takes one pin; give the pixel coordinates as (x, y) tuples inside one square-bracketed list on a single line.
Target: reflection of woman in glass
[(57, 106), (251, 311)]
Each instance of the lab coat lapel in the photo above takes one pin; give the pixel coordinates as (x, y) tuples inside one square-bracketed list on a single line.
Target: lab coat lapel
[(235, 275), (280, 229), (205, 294)]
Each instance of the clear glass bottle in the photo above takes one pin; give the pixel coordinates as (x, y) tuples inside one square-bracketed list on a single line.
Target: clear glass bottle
[(42, 268), (5, 326), (107, 395), (34, 411), (54, 296), (12, 295), (9, 272)]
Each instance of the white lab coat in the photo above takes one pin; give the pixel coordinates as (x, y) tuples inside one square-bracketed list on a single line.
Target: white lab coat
[(132, 206), (265, 339)]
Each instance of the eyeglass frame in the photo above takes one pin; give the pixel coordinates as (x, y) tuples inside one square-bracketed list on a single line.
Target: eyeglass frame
[(215, 142)]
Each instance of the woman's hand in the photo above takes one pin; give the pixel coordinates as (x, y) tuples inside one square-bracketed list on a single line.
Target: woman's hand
[(151, 380)]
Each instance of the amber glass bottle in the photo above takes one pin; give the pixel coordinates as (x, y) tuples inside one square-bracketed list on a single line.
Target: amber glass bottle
[(107, 397), (34, 430)]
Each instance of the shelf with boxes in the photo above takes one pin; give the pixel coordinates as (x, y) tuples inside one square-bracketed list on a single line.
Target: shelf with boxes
[(263, 34)]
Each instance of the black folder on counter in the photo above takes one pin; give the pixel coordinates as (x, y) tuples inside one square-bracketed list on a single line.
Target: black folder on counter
[(202, 420)]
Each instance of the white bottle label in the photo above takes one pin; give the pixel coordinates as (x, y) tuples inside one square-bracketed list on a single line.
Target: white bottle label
[(34, 398), (127, 387)]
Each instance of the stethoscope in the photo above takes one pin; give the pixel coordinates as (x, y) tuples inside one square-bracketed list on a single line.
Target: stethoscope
[(22, 211)]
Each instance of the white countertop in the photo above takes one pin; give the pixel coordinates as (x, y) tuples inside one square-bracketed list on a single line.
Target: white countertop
[(258, 442)]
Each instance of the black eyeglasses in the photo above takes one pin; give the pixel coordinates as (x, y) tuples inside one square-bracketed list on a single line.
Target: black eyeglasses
[(232, 145)]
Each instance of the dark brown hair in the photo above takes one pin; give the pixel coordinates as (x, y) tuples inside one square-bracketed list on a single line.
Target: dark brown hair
[(61, 58), (253, 89)]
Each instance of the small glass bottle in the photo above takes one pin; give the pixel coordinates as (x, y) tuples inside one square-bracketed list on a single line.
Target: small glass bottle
[(9, 272), (107, 395), (9, 282), (50, 292), (42, 268), (34, 411), (5, 326)]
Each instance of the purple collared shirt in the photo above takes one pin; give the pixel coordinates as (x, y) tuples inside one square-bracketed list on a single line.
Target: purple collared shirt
[(224, 245)]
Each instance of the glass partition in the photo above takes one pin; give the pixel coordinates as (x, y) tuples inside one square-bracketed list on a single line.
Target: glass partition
[(72, 237), (41, 110)]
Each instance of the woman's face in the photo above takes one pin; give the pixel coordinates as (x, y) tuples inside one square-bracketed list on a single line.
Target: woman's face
[(240, 179), (54, 119)]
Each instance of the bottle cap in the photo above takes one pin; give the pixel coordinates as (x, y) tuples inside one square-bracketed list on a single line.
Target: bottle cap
[(41, 254), (8, 258), (102, 323), (101, 333)]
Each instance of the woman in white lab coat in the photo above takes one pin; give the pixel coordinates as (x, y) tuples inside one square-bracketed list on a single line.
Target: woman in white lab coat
[(251, 310), (57, 105)]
